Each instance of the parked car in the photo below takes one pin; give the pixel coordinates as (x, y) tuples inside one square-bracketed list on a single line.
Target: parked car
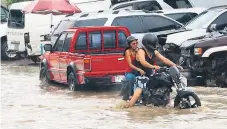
[(67, 22), (206, 57), (86, 55), (199, 26), (182, 15), (138, 22), (3, 27), (151, 5)]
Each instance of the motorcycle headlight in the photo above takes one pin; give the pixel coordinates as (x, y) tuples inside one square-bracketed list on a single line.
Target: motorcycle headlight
[(198, 51)]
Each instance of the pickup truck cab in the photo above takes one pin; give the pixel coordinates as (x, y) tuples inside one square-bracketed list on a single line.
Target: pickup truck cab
[(86, 55)]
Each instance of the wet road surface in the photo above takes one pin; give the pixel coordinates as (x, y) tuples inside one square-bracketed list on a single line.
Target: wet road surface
[(28, 104)]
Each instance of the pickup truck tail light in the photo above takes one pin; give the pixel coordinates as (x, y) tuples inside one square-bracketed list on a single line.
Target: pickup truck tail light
[(87, 64)]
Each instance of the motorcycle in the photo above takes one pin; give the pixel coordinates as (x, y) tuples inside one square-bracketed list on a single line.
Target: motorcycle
[(158, 88)]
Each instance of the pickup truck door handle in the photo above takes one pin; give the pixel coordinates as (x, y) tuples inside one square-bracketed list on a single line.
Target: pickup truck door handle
[(122, 58)]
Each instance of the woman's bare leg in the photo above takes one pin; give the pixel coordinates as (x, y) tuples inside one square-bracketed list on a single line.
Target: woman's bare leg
[(135, 97)]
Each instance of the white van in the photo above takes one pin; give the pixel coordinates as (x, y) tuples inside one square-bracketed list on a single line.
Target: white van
[(26, 30)]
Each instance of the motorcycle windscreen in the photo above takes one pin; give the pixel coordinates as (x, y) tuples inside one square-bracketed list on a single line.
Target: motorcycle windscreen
[(174, 73)]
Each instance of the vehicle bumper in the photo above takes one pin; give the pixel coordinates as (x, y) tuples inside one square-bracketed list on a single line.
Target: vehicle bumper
[(16, 47), (104, 80)]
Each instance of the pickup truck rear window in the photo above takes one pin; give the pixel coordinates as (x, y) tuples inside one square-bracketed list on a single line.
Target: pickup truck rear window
[(81, 43), (109, 39), (95, 40), (91, 22), (122, 39)]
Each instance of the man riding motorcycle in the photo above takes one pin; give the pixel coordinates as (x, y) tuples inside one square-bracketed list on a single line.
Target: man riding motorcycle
[(145, 58)]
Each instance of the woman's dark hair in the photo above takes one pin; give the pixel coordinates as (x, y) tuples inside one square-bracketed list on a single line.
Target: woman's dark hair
[(128, 47), (129, 40)]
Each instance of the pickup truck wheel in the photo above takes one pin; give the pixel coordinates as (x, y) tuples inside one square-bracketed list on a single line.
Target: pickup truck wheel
[(5, 55), (72, 82), (43, 76)]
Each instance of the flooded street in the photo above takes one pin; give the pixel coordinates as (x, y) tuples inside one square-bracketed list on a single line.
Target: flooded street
[(27, 104)]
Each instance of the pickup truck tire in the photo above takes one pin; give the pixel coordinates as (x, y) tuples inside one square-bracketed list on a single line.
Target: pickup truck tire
[(43, 76), (4, 54), (72, 82)]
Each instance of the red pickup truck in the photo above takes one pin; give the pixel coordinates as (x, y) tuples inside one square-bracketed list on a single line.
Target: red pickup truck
[(86, 55)]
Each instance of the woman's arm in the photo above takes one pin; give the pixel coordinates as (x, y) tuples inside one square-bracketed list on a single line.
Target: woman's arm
[(141, 57), (128, 59), (164, 59)]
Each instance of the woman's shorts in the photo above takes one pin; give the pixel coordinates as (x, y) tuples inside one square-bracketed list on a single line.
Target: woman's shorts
[(129, 76), (140, 82)]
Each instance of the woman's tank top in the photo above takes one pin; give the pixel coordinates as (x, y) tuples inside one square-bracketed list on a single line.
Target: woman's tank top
[(133, 59), (151, 60)]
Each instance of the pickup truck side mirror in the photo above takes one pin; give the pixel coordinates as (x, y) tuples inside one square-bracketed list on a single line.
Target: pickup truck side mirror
[(212, 28), (48, 47)]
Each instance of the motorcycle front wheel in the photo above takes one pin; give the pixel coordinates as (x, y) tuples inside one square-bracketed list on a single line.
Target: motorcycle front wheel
[(189, 100)]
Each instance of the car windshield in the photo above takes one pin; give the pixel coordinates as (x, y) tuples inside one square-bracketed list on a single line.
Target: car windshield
[(91, 22), (16, 19), (202, 19), (178, 3), (182, 17), (64, 25)]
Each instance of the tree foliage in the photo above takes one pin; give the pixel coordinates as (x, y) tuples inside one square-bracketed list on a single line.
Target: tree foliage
[(9, 2)]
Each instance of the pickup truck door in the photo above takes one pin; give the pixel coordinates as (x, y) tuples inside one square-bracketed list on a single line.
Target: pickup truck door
[(64, 57), (54, 58), (114, 62)]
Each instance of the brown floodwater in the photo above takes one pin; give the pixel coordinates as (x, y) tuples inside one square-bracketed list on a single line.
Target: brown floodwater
[(28, 104)]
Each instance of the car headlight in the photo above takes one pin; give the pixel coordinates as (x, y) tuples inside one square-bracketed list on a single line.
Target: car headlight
[(198, 51)]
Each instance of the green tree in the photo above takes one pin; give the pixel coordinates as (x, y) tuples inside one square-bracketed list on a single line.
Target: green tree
[(9, 2)]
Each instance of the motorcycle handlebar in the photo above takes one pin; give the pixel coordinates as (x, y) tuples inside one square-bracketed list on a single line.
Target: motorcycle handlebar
[(163, 69)]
